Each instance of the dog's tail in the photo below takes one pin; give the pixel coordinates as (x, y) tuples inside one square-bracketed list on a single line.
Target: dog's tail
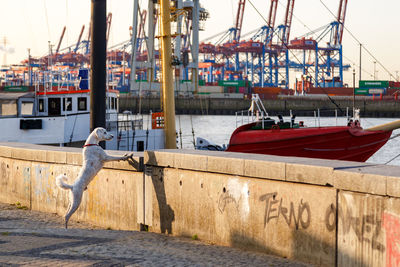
[(60, 182)]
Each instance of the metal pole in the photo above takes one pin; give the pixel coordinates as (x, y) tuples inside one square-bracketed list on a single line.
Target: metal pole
[(360, 62), (167, 82), (98, 65), (29, 68), (132, 80), (195, 44), (150, 43), (354, 91)]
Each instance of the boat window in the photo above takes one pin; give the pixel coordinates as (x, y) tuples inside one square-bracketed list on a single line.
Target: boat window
[(140, 145), (67, 104), (8, 108), (112, 103), (54, 106), (41, 105), (26, 108), (82, 103)]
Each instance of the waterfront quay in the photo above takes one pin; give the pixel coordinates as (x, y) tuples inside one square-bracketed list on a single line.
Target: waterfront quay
[(299, 105), (201, 208)]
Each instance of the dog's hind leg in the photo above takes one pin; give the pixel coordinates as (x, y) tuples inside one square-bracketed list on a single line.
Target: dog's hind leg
[(75, 201)]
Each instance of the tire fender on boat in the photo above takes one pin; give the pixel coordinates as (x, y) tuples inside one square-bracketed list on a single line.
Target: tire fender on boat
[(275, 128)]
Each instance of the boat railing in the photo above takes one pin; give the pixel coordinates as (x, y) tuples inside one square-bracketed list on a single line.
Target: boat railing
[(124, 121), (257, 113)]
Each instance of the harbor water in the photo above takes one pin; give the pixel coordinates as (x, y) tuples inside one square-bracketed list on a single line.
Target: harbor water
[(218, 129)]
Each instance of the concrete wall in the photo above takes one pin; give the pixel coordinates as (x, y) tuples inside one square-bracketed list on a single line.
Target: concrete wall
[(302, 106), (323, 212), (27, 176), (330, 213)]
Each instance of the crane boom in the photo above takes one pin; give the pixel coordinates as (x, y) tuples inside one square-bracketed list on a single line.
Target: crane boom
[(79, 39), (142, 34), (109, 18), (61, 38), (239, 20), (272, 14), (340, 19), (288, 21)]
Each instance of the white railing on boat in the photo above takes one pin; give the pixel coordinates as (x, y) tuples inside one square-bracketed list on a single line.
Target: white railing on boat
[(257, 112)]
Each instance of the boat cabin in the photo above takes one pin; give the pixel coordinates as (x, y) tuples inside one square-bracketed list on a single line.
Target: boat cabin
[(55, 103)]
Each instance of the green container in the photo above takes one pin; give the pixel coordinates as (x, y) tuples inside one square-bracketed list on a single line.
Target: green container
[(232, 83), (185, 81), (361, 91), (202, 82), (374, 84), (16, 88)]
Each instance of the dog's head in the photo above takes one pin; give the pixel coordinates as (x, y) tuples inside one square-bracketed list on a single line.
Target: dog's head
[(102, 134)]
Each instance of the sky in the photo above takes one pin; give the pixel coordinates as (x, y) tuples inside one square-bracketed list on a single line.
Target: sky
[(31, 24)]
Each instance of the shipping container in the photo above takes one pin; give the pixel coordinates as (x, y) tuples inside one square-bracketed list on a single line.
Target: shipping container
[(16, 88), (361, 91), (344, 91), (210, 89), (374, 84), (240, 83), (393, 84), (226, 95), (376, 91), (267, 90)]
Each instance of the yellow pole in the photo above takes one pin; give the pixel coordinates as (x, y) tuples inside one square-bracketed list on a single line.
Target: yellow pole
[(167, 82), (390, 126)]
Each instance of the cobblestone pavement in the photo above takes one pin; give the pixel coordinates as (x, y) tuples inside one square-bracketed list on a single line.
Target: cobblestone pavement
[(30, 238)]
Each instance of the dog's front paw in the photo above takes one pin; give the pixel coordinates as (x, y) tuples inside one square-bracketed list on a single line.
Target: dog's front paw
[(128, 156)]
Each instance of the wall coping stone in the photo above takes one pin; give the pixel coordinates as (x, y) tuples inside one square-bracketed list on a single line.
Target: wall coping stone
[(354, 176), (64, 155)]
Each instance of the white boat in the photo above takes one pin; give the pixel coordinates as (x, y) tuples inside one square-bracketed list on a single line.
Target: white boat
[(58, 114)]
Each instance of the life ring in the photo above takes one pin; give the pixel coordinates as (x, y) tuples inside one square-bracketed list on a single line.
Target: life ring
[(157, 120)]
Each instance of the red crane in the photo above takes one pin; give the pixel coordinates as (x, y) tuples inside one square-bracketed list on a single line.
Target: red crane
[(239, 20), (109, 18), (61, 38), (272, 14), (287, 24), (340, 19), (79, 39)]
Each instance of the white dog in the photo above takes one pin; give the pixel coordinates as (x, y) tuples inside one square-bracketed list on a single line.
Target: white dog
[(94, 158)]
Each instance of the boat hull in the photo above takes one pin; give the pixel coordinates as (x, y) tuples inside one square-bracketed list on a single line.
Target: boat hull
[(340, 143)]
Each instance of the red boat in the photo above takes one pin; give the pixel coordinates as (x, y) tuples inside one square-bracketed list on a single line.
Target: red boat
[(350, 143)]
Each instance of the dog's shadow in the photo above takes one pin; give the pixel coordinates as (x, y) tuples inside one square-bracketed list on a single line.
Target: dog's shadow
[(137, 164)]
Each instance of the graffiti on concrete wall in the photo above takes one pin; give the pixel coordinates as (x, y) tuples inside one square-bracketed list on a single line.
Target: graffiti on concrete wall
[(4, 174), (366, 227), (42, 174), (391, 224), (225, 199), (297, 215), (26, 174), (235, 193)]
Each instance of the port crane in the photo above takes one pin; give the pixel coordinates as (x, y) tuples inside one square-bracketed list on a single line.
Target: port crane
[(325, 52)]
